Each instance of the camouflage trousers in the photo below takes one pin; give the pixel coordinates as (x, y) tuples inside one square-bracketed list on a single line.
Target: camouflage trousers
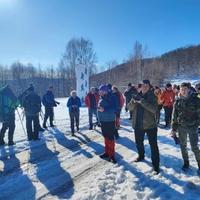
[(192, 132)]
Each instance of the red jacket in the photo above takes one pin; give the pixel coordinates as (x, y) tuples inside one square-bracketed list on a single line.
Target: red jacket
[(168, 98), (88, 99)]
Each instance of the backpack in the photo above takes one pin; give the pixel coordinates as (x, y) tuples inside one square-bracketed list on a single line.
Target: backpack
[(8, 102)]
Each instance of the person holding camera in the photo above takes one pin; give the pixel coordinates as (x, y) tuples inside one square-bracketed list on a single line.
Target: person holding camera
[(144, 107), (49, 103), (74, 104), (185, 121)]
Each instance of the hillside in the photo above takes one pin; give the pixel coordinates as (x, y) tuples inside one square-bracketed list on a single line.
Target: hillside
[(180, 62)]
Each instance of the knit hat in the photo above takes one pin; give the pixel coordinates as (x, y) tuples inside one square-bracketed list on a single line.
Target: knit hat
[(103, 88)]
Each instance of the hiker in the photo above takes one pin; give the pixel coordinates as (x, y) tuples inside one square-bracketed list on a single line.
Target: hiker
[(32, 106), (49, 103), (144, 108), (120, 103), (74, 104), (168, 98), (158, 93), (185, 121), (131, 90), (91, 101), (8, 104), (106, 115), (21, 97)]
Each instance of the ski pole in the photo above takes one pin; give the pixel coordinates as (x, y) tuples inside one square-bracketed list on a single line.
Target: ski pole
[(21, 122)]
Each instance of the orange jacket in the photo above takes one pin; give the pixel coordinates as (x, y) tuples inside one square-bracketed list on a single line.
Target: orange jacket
[(168, 98)]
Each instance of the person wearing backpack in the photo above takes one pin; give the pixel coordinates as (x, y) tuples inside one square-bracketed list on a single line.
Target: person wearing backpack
[(8, 104), (185, 121), (32, 106), (74, 104)]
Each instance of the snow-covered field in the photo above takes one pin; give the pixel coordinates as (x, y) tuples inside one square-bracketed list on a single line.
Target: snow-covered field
[(60, 166)]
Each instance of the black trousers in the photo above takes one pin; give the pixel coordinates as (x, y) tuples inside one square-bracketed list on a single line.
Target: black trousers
[(168, 114), (74, 117), (152, 137), (32, 127), (8, 124), (49, 113)]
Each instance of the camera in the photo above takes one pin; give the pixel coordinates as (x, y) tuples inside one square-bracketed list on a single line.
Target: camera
[(136, 97)]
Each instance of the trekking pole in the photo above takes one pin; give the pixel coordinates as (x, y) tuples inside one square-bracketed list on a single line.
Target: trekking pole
[(21, 122), (28, 156)]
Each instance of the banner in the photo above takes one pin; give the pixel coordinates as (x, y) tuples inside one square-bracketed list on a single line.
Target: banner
[(82, 81)]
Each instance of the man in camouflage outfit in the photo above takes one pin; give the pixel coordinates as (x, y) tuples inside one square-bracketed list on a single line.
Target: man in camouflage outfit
[(185, 121)]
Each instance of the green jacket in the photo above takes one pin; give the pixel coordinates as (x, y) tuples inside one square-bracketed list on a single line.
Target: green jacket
[(186, 112), (150, 106)]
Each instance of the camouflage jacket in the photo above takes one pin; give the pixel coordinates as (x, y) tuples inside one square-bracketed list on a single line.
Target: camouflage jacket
[(186, 112)]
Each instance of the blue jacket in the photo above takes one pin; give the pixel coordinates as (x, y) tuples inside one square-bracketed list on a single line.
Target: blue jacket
[(48, 99), (74, 104), (109, 103)]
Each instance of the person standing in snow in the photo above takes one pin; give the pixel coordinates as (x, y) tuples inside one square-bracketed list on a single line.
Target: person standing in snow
[(32, 106), (49, 103), (91, 101), (168, 98), (8, 104), (74, 104), (158, 93), (120, 103), (129, 92), (185, 121), (106, 115), (144, 108)]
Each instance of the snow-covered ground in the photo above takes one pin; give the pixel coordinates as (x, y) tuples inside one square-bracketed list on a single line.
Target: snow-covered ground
[(60, 166)]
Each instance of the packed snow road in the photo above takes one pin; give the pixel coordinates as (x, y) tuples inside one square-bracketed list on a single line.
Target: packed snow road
[(60, 166)]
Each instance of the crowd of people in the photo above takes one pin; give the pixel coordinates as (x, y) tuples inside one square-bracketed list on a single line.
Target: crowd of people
[(144, 102)]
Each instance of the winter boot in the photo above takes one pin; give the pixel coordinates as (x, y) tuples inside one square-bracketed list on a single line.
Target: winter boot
[(104, 155), (186, 165), (139, 159), (11, 143), (113, 160)]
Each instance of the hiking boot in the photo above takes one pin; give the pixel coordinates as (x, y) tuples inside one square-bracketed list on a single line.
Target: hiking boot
[(104, 155), (11, 143), (139, 159), (185, 166), (44, 126), (41, 129), (113, 160), (156, 170)]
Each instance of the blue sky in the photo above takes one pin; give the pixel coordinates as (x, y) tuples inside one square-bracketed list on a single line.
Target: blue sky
[(37, 31)]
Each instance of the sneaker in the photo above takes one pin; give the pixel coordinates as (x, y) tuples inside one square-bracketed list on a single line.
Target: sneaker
[(11, 143), (113, 160), (104, 155), (138, 159)]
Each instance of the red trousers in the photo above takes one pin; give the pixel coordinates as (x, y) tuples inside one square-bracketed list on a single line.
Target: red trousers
[(109, 147)]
